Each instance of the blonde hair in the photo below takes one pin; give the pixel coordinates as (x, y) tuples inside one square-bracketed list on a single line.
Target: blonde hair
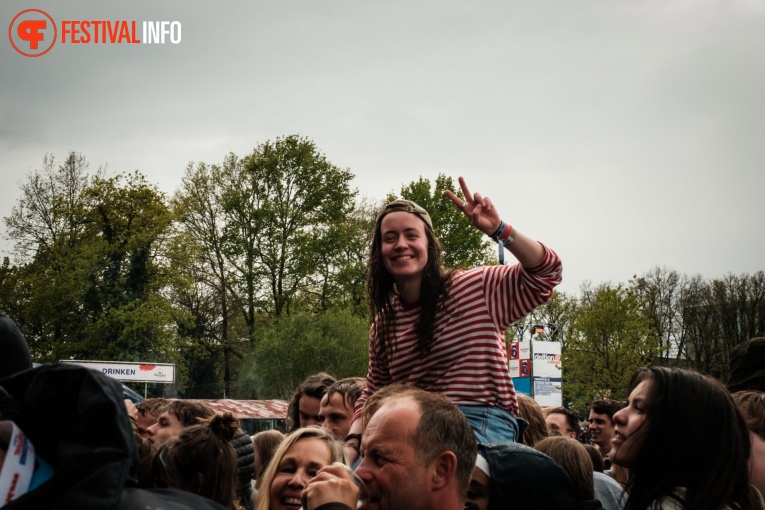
[(336, 452)]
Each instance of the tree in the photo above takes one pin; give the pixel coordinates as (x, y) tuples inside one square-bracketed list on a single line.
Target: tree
[(608, 340), (281, 202), (659, 292), (124, 262), (340, 279), (49, 213), (276, 232), (464, 245), (95, 272), (47, 226), (717, 316), (558, 313), (199, 206), (297, 345)]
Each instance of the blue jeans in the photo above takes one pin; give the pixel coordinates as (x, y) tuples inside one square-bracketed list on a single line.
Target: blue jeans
[(492, 424)]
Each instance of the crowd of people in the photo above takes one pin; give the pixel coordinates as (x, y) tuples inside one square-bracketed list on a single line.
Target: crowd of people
[(435, 424)]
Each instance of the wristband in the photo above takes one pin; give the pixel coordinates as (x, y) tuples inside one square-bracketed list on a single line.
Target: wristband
[(509, 238), (499, 230), (353, 436), (504, 235)]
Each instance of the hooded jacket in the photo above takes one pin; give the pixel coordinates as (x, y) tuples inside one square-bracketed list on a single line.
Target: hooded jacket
[(76, 419), (523, 478), (14, 352)]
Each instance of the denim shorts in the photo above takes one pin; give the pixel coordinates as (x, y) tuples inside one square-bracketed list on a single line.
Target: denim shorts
[(492, 424)]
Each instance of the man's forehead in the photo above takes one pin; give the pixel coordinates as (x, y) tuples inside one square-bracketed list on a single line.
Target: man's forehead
[(398, 417), (599, 416)]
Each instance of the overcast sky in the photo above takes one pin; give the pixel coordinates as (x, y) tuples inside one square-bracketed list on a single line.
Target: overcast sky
[(623, 134)]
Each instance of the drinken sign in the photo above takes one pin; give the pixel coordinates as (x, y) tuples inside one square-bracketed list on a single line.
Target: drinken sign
[(134, 372)]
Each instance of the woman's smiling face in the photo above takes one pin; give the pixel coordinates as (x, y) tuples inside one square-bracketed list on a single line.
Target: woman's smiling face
[(404, 245), (299, 464)]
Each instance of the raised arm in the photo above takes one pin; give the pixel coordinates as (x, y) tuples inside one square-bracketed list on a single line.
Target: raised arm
[(482, 214)]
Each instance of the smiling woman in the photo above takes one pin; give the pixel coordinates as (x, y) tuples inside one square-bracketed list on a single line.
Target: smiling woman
[(297, 460), (443, 329)]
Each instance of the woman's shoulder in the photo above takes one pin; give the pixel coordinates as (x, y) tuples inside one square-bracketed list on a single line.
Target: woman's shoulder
[(476, 272), (676, 501), (672, 501)]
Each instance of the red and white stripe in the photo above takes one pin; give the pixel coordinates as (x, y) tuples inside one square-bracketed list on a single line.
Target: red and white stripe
[(467, 362)]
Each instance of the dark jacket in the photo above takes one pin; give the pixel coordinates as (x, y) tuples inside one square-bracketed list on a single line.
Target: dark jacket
[(245, 467), (523, 478), (76, 419), (14, 352)]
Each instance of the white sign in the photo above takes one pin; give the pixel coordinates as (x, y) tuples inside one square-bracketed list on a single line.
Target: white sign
[(546, 359), (547, 392), (135, 372), (547, 373)]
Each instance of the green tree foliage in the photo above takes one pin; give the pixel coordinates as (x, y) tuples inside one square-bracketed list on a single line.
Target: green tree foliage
[(275, 232), (608, 340), (49, 215), (95, 267), (341, 263), (207, 297), (128, 226), (285, 204), (297, 345), (464, 245), (557, 314)]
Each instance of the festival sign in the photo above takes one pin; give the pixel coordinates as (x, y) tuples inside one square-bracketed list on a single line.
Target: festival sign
[(548, 374), (134, 372)]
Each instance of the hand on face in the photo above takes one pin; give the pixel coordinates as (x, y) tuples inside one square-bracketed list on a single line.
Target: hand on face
[(332, 484)]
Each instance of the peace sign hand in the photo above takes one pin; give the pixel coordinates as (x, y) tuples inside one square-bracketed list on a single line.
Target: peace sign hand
[(479, 209)]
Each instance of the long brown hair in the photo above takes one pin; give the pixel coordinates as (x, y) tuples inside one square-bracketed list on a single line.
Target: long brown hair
[(530, 411), (381, 290), (685, 410), (265, 443), (314, 386)]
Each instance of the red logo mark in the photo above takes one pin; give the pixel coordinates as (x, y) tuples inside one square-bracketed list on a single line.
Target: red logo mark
[(29, 33), (146, 368)]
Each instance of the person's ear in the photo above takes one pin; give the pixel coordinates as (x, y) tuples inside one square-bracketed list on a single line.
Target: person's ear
[(445, 469)]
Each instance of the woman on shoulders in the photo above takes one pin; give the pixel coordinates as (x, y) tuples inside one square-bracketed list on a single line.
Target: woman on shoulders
[(443, 330)]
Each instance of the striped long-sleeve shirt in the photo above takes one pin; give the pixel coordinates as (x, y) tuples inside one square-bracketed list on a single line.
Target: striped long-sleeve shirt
[(467, 362)]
